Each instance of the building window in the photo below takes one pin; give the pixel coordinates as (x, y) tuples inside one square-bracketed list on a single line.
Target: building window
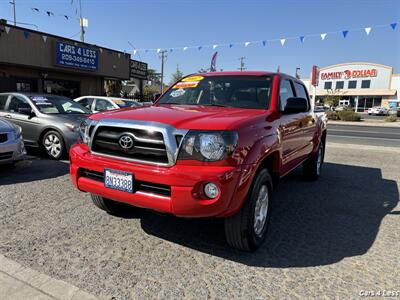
[(352, 84), (339, 85), (365, 84), (328, 85)]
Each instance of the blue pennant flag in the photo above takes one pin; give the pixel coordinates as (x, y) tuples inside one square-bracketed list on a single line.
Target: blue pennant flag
[(393, 25), (264, 43), (147, 50), (200, 47), (26, 34), (302, 39), (170, 50), (230, 45), (345, 32)]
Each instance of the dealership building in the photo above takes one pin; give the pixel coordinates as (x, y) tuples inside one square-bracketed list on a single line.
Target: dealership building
[(361, 85), (33, 61)]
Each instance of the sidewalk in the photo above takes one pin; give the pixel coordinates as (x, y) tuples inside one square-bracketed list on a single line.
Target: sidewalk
[(367, 123), (18, 282)]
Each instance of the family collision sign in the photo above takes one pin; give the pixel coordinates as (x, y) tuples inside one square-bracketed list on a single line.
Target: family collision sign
[(72, 56)]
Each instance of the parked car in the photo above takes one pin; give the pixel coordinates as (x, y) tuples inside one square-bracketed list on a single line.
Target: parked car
[(99, 103), (394, 111), (47, 121), (378, 110), (343, 107), (12, 147), (213, 145)]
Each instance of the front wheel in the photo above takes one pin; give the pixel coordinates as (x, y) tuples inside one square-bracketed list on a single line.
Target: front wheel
[(110, 206), (53, 144), (248, 228)]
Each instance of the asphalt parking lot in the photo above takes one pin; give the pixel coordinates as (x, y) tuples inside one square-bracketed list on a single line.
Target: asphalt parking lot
[(333, 238)]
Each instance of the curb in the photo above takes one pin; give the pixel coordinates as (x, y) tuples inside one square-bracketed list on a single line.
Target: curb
[(363, 147), (19, 282), (362, 123)]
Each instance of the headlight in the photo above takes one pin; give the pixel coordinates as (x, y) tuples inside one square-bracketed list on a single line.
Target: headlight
[(208, 145), (18, 132), (85, 129)]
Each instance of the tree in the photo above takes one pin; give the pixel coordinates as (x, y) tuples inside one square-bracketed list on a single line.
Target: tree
[(177, 75), (332, 97)]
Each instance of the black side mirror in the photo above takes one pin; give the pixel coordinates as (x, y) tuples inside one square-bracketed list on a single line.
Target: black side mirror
[(296, 105), (26, 111)]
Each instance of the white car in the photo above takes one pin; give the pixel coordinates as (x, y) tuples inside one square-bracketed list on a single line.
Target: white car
[(12, 146), (378, 110), (100, 103)]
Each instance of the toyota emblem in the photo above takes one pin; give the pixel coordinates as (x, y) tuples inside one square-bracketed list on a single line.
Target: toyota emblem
[(126, 142)]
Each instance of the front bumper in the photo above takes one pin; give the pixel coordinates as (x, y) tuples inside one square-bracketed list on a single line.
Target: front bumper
[(12, 151), (185, 183)]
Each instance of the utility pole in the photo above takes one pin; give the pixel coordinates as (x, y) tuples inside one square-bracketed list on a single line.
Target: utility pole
[(81, 22), (15, 17), (242, 68), (163, 56)]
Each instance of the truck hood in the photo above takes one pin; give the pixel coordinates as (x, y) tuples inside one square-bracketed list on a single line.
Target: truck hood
[(187, 116)]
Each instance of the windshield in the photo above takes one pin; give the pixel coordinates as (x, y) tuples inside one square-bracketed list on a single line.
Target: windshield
[(57, 105), (125, 103), (228, 91)]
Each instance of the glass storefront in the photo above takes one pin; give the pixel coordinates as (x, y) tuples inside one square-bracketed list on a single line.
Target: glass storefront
[(367, 102), (70, 89)]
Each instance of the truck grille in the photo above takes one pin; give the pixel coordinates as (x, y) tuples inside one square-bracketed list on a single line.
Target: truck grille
[(3, 137), (143, 186), (6, 155), (147, 146), (138, 141)]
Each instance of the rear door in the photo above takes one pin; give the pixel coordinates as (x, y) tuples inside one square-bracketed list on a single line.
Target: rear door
[(291, 128), (30, 124)]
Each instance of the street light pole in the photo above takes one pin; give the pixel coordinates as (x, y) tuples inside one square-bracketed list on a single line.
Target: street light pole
[(15, 16), (81, 22), (242, 68), (163, 56)]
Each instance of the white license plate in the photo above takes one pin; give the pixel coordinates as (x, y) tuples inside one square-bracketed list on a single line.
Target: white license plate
[(118, 180)]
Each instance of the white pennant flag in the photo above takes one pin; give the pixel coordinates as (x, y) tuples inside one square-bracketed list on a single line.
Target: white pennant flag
[(7, 29), (101, 50), (283, 41), (119, 55), (215, 46), (323, 36), (44, 37), (158, 50), (246, 44), (185, 48), (367, 30), (134, 52)]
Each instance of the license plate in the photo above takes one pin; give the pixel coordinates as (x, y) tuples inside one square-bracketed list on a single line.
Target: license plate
[(118, 180)]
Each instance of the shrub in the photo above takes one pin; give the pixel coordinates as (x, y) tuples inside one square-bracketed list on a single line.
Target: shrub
[(349, 116), (391, 118), (332, 115)]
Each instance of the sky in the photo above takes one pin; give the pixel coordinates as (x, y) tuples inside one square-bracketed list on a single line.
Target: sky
[(168, 24)]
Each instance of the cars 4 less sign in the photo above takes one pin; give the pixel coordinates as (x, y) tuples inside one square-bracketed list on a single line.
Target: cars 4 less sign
[(72, 56), (348, 74)]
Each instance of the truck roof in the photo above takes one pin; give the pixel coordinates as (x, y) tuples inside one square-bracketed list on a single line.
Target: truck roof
[(243, 73)]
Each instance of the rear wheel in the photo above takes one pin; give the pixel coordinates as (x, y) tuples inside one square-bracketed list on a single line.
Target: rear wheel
[(53, 144), (248, 228), (312, 166), (111, 206)]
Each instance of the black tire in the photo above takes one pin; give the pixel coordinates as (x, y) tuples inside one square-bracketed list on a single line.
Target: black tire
[(240, 229), (312, 166), (53, 144), (111, 206)]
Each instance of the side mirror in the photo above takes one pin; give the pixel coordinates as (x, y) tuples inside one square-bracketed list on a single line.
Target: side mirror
[(26, 111), (296, 105), (156, 96)]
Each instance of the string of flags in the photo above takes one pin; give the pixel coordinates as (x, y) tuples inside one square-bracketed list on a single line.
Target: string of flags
[(302, 38), (52, 14)]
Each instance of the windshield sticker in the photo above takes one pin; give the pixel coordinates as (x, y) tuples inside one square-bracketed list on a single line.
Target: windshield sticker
[(39, 99), (192, 78), (117, 101), (177, 93), (185, 85)]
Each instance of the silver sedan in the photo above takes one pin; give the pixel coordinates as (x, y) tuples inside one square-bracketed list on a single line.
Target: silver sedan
[(12, 146)]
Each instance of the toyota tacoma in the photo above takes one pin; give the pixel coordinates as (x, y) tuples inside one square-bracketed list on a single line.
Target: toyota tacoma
[(213, 145)]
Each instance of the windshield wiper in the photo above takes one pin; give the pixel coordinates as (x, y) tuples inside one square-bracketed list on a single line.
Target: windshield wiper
[(215, 104)]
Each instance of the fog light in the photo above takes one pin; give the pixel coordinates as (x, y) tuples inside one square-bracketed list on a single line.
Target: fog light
[(211, 190)]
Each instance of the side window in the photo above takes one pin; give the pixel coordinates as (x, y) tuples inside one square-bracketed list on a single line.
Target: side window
[(3, 100), (301, 92), (285, 92), (16, 103), (86, 102), (102, 104)]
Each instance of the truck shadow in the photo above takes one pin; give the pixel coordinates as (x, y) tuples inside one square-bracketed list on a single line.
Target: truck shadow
[(313, 223)]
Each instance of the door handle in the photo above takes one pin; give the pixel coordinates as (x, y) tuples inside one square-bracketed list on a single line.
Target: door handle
[(7, 116)]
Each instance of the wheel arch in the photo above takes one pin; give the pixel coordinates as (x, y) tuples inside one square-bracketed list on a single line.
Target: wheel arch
[(46, 130)]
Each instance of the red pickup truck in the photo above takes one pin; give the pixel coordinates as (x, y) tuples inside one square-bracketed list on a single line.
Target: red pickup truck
[(213, 145)]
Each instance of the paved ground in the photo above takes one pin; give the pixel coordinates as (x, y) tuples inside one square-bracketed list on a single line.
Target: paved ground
[(364, 135), (333, 238)]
